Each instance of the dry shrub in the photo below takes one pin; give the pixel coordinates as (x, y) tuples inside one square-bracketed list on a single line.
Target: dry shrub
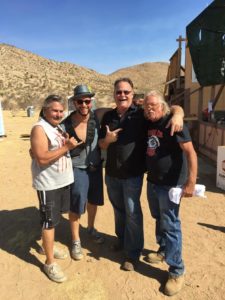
[(13, 107)]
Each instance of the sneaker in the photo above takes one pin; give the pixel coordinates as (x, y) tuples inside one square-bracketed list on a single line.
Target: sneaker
[(54, 272), (129, 264), (174, 285), (58, 253), (96, 236), (116, 247), (76, 251), (155, 258)]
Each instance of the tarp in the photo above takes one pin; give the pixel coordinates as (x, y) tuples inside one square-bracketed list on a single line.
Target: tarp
[(206, 41)]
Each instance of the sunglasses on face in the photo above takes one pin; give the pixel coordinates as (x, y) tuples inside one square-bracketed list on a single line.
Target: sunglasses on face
[(123, 92), (80, 101)]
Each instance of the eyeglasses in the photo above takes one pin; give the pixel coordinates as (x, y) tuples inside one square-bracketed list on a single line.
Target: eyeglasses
[(80, 101), (121, 92), (152, 106)]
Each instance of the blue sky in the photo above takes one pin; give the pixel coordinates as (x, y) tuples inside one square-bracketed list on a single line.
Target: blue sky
[(101, 35)]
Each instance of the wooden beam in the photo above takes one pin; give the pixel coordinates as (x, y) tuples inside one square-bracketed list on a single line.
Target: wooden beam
[(217, 96), (189, 93)]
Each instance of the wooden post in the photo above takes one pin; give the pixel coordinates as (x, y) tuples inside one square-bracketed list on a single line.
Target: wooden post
[(179, 40), (200, 102), (187, 102), (217, 96)]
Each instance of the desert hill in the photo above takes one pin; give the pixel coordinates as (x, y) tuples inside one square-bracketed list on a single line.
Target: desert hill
[(145, 76), (27, 78)]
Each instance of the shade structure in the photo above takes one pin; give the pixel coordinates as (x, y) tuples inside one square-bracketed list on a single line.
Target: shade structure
[(206, 41)]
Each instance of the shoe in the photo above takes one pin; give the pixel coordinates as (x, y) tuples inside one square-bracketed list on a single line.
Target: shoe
[(174, 285), (155, 258), (54, 272), (129, 264), (58, 253), (118, 246), (76, 251), (95, 236)]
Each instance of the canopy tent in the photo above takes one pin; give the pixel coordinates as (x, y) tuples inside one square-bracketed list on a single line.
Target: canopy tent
[(206, 41)]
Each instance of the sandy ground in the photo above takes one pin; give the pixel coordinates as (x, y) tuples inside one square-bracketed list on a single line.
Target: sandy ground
[(98, 275)]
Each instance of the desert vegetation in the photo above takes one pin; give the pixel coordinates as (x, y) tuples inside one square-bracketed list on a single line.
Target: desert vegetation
[(26, 78)]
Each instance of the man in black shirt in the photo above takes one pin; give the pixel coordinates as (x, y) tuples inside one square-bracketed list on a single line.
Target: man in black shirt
[(168, 169), (123, 133)]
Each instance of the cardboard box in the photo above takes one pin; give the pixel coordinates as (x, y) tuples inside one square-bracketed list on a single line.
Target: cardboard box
[(220, 178)]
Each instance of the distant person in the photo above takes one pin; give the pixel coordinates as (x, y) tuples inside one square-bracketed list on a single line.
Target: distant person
[(52, 175), (87, 189), (171, 163), (138, 100), (123, 133)]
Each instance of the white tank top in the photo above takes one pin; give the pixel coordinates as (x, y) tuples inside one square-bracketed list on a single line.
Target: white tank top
[(57, 174)]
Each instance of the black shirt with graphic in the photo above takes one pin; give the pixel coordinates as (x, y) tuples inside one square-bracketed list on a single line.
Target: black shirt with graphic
[(166, 161)]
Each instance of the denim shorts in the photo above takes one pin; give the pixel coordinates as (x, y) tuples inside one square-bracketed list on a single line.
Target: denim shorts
[(87, 187), (52, 204)]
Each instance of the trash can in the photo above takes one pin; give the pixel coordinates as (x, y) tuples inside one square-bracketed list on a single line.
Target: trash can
[(30, 111)]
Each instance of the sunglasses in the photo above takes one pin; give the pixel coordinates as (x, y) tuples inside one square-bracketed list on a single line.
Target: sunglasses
[(123, 92), (80, 102)]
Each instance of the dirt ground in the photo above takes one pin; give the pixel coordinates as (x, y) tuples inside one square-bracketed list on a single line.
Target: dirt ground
[(98, 275)]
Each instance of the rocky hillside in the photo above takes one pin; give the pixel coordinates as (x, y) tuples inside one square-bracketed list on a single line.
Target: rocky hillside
[(145, 76), (26, 78)]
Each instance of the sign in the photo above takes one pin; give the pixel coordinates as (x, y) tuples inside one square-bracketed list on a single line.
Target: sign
[(220, 178)]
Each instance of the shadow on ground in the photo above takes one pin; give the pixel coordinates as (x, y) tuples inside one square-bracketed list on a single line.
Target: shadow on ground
[(207, 174), (20, 230), (105, 251), (214, 227)]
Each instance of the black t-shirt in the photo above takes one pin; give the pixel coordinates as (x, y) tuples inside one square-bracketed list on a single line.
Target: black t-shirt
[(166, 161), (126, 157)]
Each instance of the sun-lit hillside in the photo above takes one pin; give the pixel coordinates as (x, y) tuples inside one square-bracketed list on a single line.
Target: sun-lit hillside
[(27, 78)]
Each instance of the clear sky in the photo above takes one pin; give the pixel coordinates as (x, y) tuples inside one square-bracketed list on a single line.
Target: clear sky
[(98, 34)]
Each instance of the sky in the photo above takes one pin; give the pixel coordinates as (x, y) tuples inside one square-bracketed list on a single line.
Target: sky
[(98, 34)]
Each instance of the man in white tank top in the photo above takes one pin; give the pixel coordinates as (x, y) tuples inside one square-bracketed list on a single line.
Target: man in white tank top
[(52, 175)]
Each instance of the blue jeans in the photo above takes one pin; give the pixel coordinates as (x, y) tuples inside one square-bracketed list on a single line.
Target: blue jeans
[(124, 194), (168, 227)]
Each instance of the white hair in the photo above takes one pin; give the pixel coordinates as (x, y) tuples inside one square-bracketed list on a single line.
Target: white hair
[(160, 98)]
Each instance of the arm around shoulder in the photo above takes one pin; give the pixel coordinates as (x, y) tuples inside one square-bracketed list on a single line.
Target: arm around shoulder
[(177, 120), (177, 110)]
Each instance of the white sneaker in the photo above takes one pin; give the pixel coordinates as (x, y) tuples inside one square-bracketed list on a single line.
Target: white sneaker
[(54, 272), (76, 251)]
